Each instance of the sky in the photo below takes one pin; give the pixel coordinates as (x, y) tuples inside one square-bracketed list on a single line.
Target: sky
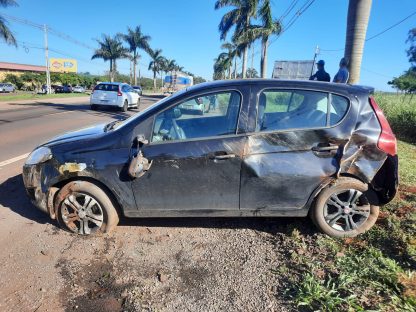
[(187, 31)]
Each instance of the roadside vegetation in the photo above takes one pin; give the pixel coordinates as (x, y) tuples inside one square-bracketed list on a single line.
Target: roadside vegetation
[(34, 96), (375, 271)]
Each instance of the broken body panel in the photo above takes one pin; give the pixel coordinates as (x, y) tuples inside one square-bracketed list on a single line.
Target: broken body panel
[(249, 173)]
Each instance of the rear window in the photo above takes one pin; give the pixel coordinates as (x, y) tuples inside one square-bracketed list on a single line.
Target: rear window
[(107, 87), (339, 107)]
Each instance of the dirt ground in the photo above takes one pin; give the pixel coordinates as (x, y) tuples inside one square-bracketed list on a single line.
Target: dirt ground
[(144, 265)]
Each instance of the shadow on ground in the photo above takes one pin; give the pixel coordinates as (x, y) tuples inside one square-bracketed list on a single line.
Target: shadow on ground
[(13, 196), (266, 225), (102, 110)]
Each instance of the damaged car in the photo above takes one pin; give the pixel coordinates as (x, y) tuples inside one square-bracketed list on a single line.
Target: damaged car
[(270, 148)]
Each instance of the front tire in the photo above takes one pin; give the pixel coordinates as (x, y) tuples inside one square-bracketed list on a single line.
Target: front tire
[(84, 208), (343, 209)]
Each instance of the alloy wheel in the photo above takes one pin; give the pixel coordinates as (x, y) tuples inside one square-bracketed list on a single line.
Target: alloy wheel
[(347, 210), (81, 213)]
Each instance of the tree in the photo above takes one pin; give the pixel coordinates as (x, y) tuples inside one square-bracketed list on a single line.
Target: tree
[(14, 79), (240, 16), (268, 28), (5, 32), (221, 66), (156, 64), (136, 40), (357, 21), (411, 53), (111, 50), (252, 73)]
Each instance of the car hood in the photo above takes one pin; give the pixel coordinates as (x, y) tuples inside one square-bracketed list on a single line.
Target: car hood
[(77, 135)]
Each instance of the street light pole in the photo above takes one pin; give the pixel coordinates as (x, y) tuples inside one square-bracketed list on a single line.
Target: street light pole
[(314, 58), (48, 75)]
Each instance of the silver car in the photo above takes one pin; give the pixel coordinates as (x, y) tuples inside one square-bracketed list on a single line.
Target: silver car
[(6, 87)]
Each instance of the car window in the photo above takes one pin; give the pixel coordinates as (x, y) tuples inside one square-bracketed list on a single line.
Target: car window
[(339, 107), (291, 109), (107, 87), (125, 88), (202, 116)]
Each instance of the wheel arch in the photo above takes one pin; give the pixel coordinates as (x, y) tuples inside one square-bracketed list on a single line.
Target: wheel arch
[(105, 188)]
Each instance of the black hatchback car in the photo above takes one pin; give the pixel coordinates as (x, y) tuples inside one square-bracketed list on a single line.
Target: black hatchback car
[(264, 148)]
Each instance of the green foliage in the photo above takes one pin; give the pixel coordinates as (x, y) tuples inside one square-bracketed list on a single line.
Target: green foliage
[(412, 50), (16, 80), (400, 110), (406, 82)]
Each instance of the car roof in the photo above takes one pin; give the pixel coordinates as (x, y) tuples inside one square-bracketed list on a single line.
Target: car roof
[(307, 84), (114, 83)]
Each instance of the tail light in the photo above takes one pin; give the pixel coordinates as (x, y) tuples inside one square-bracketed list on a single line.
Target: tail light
[(119, 92), (387, 141)]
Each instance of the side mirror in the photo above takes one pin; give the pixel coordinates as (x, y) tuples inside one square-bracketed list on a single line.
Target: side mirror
[(139, 164), (141, 140)]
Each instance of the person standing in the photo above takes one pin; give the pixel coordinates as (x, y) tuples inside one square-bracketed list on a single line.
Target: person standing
[(343, 74), (321, 74)]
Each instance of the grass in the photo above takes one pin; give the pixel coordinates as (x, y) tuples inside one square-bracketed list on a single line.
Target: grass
[(377, 270), (32, 96), (400, 110)]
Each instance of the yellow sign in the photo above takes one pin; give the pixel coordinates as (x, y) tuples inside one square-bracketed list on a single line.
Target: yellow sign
[(60, 65)]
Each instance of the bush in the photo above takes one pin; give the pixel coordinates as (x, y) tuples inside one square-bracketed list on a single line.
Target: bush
[(16, 80)]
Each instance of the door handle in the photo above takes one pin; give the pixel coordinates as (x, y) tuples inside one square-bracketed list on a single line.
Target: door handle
[(223, 157)]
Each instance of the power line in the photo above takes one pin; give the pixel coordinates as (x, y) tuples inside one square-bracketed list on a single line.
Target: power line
[(378, 34)]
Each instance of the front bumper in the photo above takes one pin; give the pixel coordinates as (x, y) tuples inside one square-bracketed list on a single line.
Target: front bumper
[(40, 195)]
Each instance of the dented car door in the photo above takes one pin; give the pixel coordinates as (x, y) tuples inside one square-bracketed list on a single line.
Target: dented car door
[(294, 147)]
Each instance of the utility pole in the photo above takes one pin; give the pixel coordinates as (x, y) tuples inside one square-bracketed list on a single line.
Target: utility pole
[(48, 75), (314, 59), (252, 58)]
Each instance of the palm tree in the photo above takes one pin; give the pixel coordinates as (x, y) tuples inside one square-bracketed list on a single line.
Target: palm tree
[(252, 73), (5, 32), (222, 64), (357, 21), (111, 50), (156, 64), (268, 28), (240, 17), (136, 40)]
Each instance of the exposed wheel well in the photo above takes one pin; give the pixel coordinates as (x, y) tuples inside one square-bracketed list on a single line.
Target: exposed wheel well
[(101, 185)]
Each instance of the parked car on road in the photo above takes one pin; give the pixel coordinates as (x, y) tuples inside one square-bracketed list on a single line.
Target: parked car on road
[(117, 94), (270, 148), (138, 89), (78, 89), (63, 89), (7, 87)]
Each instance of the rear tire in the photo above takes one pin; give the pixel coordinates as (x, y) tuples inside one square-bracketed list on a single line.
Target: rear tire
[(125, 106), (84, 208), (342, 209)]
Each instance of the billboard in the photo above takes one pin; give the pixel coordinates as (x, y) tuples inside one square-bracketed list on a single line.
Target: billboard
[(289, 70), (60, 65)]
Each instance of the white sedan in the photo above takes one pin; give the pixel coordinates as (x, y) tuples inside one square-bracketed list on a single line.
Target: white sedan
[(117, 94)]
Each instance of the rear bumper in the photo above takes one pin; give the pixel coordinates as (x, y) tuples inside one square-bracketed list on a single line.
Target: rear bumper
[(117, 103), (386, 181)]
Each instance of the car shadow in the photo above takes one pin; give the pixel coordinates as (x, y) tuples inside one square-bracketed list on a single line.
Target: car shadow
[(13, 197), (271, 225), (101, 111)]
